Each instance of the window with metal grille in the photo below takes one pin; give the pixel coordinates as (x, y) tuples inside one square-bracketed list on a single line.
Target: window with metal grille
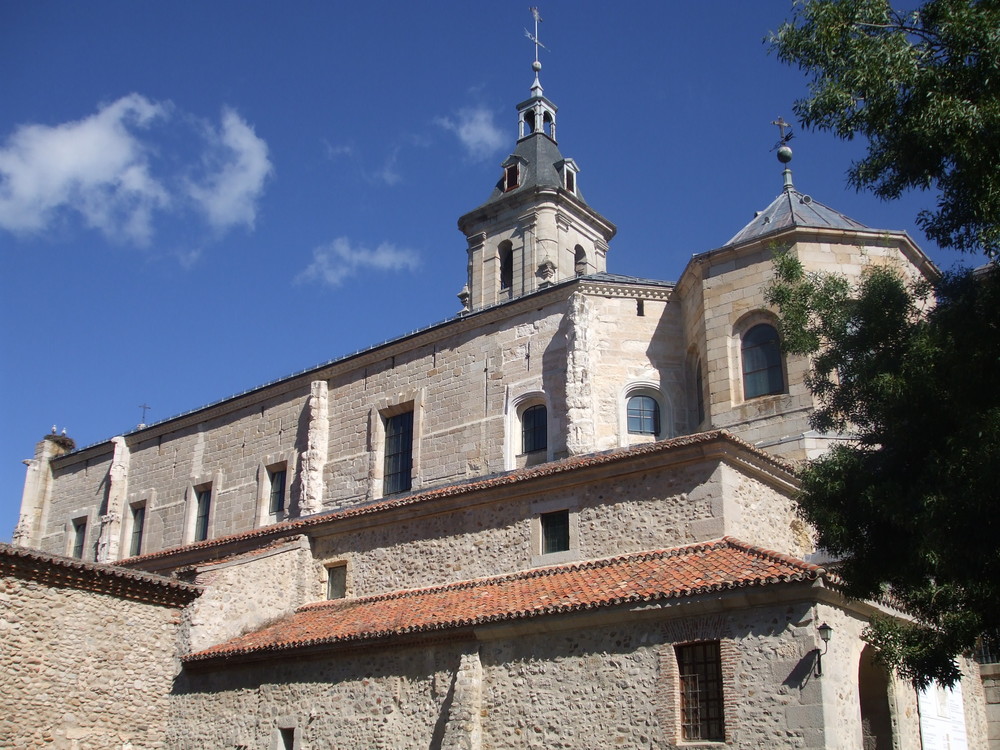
[(555, 531), (534, 429), (204, 500), (278, 478), (700, 667), (138, 522), (761, 355), (643, 415), (79, 537), (398, 453)]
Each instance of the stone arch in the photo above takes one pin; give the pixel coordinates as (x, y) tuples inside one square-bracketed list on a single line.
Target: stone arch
[(873, 699)]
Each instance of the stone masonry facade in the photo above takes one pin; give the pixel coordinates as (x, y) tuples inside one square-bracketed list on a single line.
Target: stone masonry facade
[(564, 518)]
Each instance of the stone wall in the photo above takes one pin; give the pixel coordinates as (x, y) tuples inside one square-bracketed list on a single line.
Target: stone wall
[(723, 296), (83, 670), (462, 380), (538, 685), (991, 687), (248, 591), (650, 507)]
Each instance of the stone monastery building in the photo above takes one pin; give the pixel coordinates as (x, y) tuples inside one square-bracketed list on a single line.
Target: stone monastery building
[(560, 519)]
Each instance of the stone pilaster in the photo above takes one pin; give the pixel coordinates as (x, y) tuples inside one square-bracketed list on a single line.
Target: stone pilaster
[(111, 521), (465, 724), (315, 456), (37, 488), (580, 432)]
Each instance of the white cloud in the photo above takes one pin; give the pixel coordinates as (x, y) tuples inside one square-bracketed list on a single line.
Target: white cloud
[(102, 169), (332, 152), (476, 130), (389, 174), (237, 166), (338, 260), (95, 166)]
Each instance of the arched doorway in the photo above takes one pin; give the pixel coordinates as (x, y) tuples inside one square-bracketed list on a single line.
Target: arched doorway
[(873, 694)]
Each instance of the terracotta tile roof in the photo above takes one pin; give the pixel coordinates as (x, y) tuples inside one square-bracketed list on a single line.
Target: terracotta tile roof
[(681, 572), (518, 476), (67, 572)]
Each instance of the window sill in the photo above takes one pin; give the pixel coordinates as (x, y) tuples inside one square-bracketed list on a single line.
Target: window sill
[(555, 558)]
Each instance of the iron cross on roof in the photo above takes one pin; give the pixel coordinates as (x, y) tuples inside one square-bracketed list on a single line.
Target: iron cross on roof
[(785, 138), (534, 37)]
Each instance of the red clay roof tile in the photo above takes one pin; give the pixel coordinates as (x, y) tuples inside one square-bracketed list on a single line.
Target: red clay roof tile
[(723, 564), (67, 572)]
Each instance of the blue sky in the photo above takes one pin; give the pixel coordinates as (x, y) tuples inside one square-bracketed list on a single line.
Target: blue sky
[(197, 198)]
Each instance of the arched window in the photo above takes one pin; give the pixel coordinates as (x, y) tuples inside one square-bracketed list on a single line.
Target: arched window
[(534, 429), (760, 350), (506, 253), (579, 260), (643, 415)]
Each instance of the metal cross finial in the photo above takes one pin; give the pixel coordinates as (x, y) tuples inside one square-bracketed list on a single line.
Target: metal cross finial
[(534, 37), (785, 138), (145, 408)]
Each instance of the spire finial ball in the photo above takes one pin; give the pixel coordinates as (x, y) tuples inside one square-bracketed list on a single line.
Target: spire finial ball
[(784, 154), (536, 66)]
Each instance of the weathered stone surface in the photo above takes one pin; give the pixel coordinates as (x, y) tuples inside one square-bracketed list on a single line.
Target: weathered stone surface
[(84, 670)]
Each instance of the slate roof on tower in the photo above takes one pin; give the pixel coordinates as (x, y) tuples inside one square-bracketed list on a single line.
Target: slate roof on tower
[(540, 159), (794, 209)]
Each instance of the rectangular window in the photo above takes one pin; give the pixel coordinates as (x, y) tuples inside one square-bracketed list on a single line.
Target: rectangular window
[(510, 177), (336, 582), (278, 478), (555, 531), (700, 668), (79, 537), (138, 523), (398, 453), (534, 429), (287, 738), (204, 498)]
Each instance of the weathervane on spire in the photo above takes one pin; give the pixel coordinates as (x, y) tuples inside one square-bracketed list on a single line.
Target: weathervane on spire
[(784, 151), (536, 66)]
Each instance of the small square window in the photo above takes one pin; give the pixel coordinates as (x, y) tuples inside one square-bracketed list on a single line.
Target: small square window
[(336, 582), (555, 531)]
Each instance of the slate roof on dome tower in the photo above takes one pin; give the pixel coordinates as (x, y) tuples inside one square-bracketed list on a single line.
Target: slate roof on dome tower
[(792, 208)]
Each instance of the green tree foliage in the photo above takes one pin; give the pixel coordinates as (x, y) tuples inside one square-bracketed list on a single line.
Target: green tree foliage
[(912, 502), (923, 86)]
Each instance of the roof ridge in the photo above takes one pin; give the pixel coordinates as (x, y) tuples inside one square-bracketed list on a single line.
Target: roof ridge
[(354, 621)]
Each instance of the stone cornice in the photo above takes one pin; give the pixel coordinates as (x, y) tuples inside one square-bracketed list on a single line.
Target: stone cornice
[(790, 235)]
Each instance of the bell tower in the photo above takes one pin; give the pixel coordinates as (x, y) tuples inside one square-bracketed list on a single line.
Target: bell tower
[(535, 230)]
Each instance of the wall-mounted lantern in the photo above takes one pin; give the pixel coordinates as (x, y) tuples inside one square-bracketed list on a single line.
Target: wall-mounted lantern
[(825, 633)]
